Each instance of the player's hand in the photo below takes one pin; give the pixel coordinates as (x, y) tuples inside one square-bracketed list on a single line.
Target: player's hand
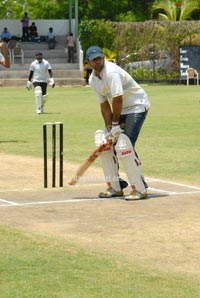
[(29, 85), (100, 138), (115, 132), (51, 83)]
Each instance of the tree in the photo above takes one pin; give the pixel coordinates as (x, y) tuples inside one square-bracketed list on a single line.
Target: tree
[(37, 9), (118, 10), (175, 10)]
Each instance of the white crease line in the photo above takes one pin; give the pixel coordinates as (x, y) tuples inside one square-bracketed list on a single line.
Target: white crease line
[(8, 202), (55, 202), (173, 192), (175, 183)]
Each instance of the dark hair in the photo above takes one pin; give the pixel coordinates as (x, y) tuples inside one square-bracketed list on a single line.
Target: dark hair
[(38, 54)]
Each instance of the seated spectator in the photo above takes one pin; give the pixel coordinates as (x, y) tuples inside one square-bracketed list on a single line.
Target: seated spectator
[(51, 38), (6, 35), (33, 32)]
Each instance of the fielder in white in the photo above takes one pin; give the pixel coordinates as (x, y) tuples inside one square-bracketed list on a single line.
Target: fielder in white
[(122, 101), (4, 55), (38, 78)]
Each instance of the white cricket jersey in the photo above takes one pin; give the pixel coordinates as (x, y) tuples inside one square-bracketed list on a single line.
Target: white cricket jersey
[(116, 81), (40, 70)]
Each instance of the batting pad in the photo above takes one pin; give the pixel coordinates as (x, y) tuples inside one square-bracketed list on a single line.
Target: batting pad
[(38, 97), (108, 162), (131, 164), (44, 99), (110, 168)]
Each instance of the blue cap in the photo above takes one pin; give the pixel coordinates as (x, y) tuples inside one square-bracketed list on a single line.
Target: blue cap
[(94, 52)]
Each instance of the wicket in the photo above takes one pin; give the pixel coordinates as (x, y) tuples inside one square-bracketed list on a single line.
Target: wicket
[(45, 142)]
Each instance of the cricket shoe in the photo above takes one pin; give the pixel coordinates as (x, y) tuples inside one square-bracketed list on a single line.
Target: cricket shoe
[(123, 184), (136, 195), (111, 193), (39, 111)]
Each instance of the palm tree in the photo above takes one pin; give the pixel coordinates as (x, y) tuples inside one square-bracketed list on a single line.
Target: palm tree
[(175, 10)]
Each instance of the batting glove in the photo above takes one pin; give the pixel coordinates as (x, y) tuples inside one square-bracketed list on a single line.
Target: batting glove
[(115, 132), (29, 85), (51, 83), (100, 138)]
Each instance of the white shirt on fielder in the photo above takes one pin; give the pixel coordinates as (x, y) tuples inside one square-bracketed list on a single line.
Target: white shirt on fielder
[(40, 70), (115, 81)]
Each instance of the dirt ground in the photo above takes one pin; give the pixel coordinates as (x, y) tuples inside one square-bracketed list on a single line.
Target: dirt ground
[(162, 231)]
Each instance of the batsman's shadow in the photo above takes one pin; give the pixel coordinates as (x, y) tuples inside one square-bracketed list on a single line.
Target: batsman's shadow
[(150, 196)]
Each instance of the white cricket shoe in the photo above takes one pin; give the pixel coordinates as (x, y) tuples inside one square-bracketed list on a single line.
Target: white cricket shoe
[(39, 111), (111, 193), (136, 195)]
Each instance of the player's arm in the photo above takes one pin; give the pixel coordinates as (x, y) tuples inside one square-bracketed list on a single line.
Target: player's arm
[(117, 108), (6, 61), (107, 114), (51, 80), (30, 75), (29, 83), (50, 73)]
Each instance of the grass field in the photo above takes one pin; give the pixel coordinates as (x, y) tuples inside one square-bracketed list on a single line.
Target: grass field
[(168, 145), (37, 265)]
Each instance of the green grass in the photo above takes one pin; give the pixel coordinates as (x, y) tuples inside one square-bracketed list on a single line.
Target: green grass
[(42, 267), (37, 266), (168, 144)]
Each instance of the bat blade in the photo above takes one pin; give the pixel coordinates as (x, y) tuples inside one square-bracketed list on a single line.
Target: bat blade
[(83, 168)]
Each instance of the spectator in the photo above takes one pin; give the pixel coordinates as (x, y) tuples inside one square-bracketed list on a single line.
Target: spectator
[(71, 45), (25, 27), (51, 38), (6, 35), (33, 31)]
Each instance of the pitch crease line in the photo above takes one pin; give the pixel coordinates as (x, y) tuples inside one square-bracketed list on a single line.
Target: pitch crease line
[(55, 202), (174, 183), (9, 202)]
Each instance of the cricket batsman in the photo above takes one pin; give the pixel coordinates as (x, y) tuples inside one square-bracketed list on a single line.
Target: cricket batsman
[(38, 78), (122, 101)]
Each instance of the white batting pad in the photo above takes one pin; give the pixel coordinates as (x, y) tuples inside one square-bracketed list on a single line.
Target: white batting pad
[(38, 98), (110, 168), (44, 99), (108, 162), (131, 164)]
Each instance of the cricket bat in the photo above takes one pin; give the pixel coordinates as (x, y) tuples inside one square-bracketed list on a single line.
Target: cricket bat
[(93, 156)]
